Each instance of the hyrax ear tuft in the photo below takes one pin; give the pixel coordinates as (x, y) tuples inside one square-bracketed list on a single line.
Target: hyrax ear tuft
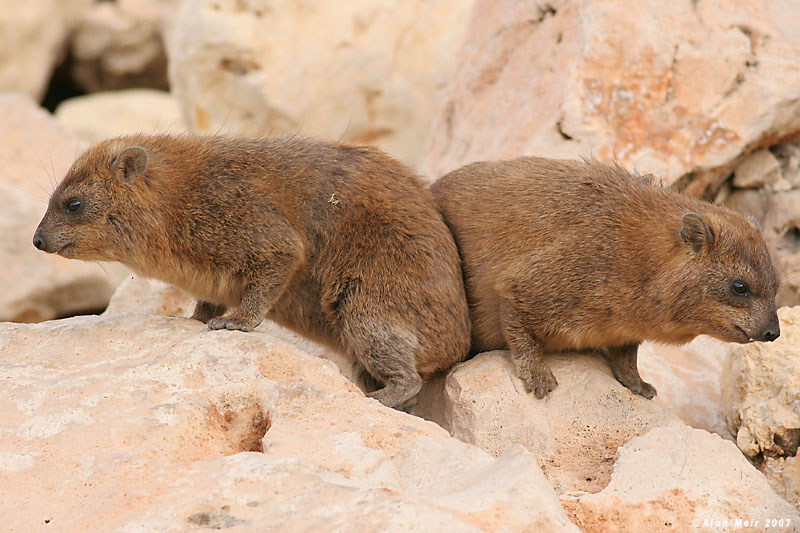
[(130, 164), (696, 233), (754, 222)]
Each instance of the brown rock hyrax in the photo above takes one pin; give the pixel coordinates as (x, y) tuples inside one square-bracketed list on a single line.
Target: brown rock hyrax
[(340, 243), (563, 255)]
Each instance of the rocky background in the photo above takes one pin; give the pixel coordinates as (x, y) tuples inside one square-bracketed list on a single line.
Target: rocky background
[(136, 420)]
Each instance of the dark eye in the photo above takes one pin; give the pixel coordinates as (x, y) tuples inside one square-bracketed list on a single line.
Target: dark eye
[(74, 205), (739, 287)]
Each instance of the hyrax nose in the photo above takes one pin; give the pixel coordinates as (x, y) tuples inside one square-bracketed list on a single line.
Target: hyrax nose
[(38, 240), (772, 333)]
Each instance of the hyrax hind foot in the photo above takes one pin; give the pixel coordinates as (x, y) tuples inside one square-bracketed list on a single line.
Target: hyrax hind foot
[(397, 394)]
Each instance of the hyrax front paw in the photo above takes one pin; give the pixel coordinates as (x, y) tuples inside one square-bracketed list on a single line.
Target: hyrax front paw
[(539, 381), (232, 323), (643, 389)]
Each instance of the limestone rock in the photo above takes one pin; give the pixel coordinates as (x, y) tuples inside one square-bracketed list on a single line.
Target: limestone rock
[(682, 479), (360, 71), (36, 153), (761, 394), (145, 423), (574, 432), (98, 116), (33, 38), (150, 296), (756, 170), (668, 87), (761, 391), (119, 45), (687, 379)]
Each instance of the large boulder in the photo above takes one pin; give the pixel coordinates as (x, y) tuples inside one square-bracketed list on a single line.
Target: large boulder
[(683, 89), (138, 422), (761, 394), (688, 380), (574, 432), (98, 116), (36, 152), (33, 39), (359, 71), (682, 479)]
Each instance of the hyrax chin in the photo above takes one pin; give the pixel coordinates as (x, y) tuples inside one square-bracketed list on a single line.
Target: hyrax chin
[(563, 255), (340, 243)]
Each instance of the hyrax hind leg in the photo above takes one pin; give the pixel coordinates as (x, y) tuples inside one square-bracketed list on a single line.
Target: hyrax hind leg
[(388, 354), (526, 353), (622, 360)]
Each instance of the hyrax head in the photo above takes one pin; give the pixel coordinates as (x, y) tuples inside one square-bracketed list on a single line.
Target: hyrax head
[(86, 213), (730, 269)]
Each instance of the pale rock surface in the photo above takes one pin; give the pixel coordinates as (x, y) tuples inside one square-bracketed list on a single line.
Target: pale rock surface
[(688, 380), (141, 423), (359, 71), (761, 394), (33, 38), (574, 432), (119, 45), (680, 89), (99, 116), (36, 152), (681, 479), (759, 168), (143, 295)]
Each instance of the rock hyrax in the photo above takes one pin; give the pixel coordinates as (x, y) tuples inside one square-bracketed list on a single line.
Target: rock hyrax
[(340, 243), (563, 255)]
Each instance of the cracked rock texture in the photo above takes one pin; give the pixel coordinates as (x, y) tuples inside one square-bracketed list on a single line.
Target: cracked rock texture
[(682, 89), (761, 394), (36, 152), (359, 71), (139, 422)]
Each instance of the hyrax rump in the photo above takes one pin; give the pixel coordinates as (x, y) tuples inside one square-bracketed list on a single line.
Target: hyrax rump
[(561, 255), (340, 243)]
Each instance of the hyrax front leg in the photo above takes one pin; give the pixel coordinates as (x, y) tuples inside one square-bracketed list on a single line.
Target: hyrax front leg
[(205, 311), (526, 353), (622, 360), (266, 278)]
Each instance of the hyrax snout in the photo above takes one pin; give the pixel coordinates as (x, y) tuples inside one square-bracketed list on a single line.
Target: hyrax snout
[(340, 243), (562, 255)]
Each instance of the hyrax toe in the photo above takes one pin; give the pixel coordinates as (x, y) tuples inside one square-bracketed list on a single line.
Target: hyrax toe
[(644, 389), (231, 324), (539, 381)]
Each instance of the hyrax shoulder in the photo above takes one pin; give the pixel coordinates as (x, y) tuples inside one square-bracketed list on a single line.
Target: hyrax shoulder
[(562, 255), (341, 243)]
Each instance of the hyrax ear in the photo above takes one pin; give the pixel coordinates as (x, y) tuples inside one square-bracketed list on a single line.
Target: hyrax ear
[(130, 164), (754, 222), (696, 233)]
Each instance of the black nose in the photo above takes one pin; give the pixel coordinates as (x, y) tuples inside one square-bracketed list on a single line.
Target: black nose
[(38, 241), (772, 333)]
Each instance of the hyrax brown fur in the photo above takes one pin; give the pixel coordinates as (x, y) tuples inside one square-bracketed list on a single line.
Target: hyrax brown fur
[(560, 255), (340, 243)]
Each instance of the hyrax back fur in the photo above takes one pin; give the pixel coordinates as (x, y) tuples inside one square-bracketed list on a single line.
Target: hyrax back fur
[(340, 243), (561, 255)]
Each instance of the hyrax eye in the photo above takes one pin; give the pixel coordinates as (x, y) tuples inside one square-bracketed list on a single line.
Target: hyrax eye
[(739, 288), (74, 205)]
